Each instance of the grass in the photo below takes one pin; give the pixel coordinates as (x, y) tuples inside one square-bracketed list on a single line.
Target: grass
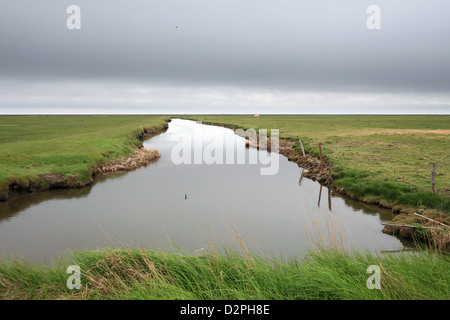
[(70, 146), (384, 157), (324, 274)]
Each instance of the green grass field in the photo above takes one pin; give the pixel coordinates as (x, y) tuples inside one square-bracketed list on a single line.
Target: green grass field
[(136, 274), (70, 146), (386, 157)]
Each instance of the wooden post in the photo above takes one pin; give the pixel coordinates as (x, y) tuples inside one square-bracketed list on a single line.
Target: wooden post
[(330, 176), (301, 145), (433, 178), (321, 162)]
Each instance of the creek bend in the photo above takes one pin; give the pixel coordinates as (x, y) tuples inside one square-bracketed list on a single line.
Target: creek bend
[(192, 206)]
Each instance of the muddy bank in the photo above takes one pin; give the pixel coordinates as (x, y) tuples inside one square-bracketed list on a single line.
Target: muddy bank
[(43, 182), (430, 227), (140, 157)]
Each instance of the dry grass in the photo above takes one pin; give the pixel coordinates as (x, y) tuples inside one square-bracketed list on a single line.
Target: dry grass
[(141, 157)]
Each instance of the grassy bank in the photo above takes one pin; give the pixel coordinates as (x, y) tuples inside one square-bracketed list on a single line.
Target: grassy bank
[(37, 149), (146, 274), (385, 159)]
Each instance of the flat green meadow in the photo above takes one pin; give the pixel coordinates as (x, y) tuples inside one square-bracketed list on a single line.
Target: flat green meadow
[(70, 146)]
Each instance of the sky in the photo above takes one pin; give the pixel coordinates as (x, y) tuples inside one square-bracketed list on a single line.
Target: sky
[(225, 56)]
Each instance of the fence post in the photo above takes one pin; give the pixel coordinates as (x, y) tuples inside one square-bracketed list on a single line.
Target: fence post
[(433, 178), (330, 176), (301, 145), (321, 162)]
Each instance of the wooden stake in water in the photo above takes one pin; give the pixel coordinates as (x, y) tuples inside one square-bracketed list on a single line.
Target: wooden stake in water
[(301, 177), (433, 177), (320, 196), (329, 198)]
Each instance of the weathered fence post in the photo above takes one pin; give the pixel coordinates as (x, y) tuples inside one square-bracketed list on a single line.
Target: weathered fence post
[(330, 176), (321, 162), (433, 177), (301, 145)]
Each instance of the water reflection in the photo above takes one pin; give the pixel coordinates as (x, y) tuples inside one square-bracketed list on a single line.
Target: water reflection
[(22, 201), (301, 177), (320, 196), (329, 199)]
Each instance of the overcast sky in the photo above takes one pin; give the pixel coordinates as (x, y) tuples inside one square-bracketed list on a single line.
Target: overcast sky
[(224, 56)]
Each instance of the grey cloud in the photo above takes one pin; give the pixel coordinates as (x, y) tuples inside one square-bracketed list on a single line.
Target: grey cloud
[(139, 97), (284, 45)]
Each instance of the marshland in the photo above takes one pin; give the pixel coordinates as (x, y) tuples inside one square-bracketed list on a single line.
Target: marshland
[(196, 220)]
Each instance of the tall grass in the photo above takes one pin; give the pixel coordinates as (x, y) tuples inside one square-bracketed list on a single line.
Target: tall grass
[(137, 273)]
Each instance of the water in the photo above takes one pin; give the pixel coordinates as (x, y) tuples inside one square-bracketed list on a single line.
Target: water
[(192, 206)]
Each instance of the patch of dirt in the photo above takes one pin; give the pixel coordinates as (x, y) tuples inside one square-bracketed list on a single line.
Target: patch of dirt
[(43, 182), (3, 195), (409, 131), (51, 178)]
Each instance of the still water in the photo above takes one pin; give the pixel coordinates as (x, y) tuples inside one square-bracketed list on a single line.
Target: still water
[(192, 207)]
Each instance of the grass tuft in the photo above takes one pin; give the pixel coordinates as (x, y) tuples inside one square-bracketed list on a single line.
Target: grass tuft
[(138, 273)]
